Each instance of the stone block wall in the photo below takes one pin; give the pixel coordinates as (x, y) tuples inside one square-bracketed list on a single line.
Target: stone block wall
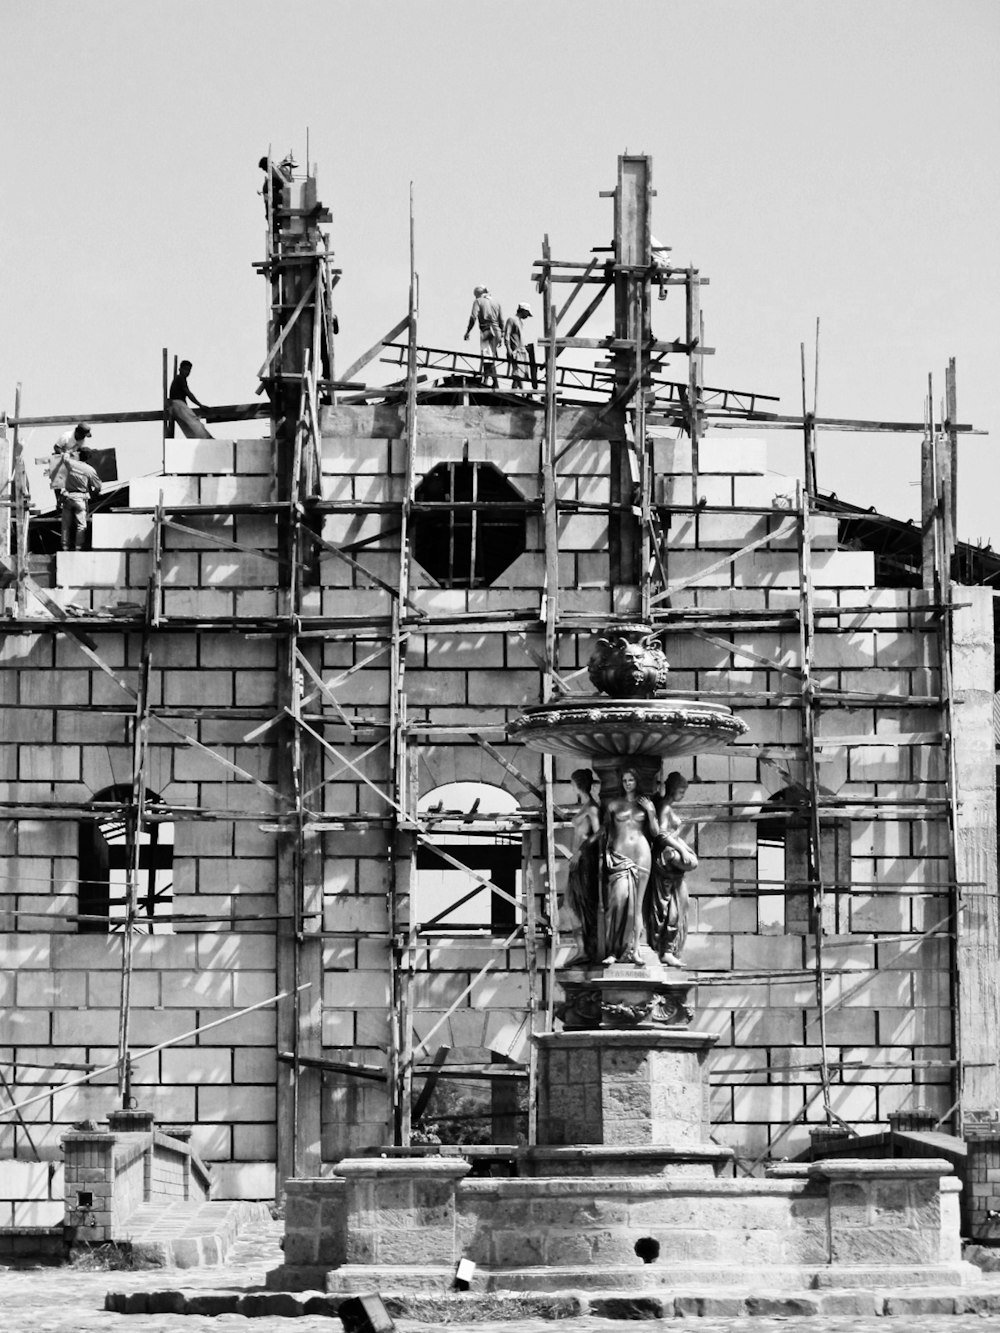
[(66, 736)]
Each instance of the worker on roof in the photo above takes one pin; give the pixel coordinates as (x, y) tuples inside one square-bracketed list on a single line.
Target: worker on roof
[(517, 352), (179, 395), (75, 482), (487, 314)]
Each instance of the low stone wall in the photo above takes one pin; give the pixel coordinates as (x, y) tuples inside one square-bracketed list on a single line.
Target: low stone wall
[(108, 1175), (403, 1224)]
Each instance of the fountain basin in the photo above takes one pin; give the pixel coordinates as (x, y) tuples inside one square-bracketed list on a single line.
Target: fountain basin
[(626, 728)]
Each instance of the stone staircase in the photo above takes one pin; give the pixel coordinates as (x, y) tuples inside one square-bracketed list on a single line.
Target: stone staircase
[(190, 1235)]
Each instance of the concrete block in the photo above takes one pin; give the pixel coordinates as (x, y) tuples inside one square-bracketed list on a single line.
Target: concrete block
[(356, 990), (671, 456), (583, 532), (238, 569), (843, 569), (732, 454), (146, 492), (46, 990), (207, 990), (732, 531), (255, 1103), (89, 569), (195, 457), (47, 764), (235, 490), (255, 456), (116, 532), (256, 1029), (254, 1142), (198, 603), (353, 456), (244, 1180)]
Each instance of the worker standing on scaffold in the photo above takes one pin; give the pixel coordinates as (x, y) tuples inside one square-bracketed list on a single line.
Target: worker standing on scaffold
[(75, 483), (517, 353), (487, 313), (179, 394)]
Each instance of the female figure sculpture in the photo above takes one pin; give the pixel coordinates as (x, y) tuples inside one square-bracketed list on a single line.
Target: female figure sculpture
[(630, 822), (583, 889), (665, 910)]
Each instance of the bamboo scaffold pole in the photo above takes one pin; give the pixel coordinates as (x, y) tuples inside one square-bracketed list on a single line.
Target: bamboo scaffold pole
[(403, 844), (809, 711), (549, 666), (134, 823)]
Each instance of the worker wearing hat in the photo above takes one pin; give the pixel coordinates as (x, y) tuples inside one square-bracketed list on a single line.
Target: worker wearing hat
[(74, 482), (487, 314), (517, 353), (67, 441)]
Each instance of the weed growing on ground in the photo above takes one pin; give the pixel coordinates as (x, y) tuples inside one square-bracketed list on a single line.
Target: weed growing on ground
[(108, 1257)]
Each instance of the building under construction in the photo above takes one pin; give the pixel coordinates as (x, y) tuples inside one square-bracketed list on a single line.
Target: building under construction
[(273, 869)]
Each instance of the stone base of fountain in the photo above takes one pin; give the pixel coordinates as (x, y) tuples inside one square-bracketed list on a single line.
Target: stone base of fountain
[(642, 1092), (402, 1225)]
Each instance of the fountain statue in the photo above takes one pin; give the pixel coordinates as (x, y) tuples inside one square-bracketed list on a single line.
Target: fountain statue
[(629, 866)]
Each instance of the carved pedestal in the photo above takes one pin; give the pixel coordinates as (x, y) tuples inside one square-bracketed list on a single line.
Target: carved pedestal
[(622, 995), (635, 1089)]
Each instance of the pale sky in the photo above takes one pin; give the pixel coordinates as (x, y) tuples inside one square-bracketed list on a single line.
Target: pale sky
[(837, 159)]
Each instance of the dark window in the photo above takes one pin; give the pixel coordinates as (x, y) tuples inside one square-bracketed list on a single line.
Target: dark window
[(472, 538), (456, 898), (105, 848), (785, 893)]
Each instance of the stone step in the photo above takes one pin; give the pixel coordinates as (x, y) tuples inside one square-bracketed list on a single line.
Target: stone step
[(189, 1235)]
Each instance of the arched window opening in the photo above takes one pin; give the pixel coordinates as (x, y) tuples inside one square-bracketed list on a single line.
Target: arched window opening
[(472, 1083), (464, 822), (785, 893), (105, 855), (472, 538)]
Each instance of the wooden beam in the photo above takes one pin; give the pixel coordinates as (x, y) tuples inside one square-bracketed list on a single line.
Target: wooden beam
[(375, 348)]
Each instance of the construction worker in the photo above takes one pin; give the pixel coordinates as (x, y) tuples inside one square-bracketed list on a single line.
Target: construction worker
[(487, 313), (179, 394), (74, 481), (68, 440), (517, 353)]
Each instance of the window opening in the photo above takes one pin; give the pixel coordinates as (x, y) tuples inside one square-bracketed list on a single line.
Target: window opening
[(467, 543), (104, 857), (784, 898), (447, 901)]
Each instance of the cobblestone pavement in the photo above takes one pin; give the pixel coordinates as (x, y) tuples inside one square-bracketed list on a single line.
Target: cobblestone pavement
[(71, 1300)]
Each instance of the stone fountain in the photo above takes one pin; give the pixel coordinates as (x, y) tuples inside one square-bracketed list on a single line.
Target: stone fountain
[(627, 1070), (624, 1189)]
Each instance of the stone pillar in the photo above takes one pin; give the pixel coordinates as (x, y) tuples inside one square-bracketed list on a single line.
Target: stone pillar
[(981, 1199), (88, 1183), (901, 1211), (401, 1210), (977, 942), (623, 1088)]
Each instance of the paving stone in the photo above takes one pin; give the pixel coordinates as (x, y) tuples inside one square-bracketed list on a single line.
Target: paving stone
[(782, 1305), (166, 1302), (850, 1303), (212, 1303), (702, 1306), (907, 1305), (631, 1307)]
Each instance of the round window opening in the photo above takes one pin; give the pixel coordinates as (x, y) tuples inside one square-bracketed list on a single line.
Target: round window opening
[(474, 531)]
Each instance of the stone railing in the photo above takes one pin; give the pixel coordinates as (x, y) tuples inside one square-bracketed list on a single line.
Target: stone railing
[(110, 1173)]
